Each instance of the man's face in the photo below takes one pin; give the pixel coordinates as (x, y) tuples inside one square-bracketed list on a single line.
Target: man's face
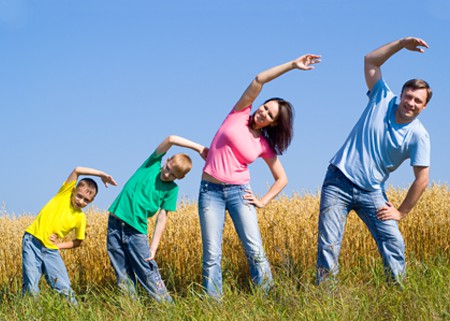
[(412, 102), (82, 196)]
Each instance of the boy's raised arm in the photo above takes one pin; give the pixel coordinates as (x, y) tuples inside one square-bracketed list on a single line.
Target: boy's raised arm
[(182, 142), (106, 178)]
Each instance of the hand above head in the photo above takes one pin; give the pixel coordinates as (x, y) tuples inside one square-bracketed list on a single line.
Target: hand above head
[(305, 62), (108, 179), (413, 44)]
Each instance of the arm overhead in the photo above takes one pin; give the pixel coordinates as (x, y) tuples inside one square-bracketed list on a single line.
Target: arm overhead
[(304, 62), (106, 178), (375, 59), (182, 142)]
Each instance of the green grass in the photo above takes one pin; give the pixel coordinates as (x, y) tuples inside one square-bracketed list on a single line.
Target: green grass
[(362, 294)]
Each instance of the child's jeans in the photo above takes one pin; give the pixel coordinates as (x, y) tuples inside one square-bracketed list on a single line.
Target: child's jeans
[(128, 250), (38, 260)]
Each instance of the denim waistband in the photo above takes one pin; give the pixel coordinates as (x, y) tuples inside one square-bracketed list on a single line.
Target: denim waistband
[(339, 174), (221, 186)]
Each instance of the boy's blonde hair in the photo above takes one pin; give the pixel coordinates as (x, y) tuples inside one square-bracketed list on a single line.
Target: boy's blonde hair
[(181, 163)]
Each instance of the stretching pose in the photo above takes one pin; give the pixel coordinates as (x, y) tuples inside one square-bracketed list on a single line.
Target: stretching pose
[(387, 134), (240, 140)]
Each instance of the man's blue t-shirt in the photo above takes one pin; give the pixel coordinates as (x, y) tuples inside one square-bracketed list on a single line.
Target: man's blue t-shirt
[(377, 145)]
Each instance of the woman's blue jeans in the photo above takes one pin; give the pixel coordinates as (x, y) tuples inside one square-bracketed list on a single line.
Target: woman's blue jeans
[(339, 196), (128, 250), (214, 200), (38, 260)]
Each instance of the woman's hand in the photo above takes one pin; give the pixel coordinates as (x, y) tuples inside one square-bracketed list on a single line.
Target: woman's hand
[(304, 62), (252, 199)]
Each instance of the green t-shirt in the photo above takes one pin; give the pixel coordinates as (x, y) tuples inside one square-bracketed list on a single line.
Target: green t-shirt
[(144, 194)]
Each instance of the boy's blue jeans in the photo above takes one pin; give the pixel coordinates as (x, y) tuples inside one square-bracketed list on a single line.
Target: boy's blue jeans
[(214, 199), (339, 196), (38, 260), (128, 250)]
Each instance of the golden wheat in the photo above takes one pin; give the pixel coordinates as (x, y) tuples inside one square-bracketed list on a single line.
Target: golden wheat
[(288, 226)]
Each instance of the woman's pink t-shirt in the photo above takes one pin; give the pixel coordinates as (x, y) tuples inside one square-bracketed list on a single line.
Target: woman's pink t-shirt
[(234, 147)]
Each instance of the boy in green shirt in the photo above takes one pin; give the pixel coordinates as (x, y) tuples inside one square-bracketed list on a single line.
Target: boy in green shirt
[(62, 214), (149, 190)]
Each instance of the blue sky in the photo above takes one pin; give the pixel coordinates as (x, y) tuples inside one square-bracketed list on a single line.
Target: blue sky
[(101, 83)]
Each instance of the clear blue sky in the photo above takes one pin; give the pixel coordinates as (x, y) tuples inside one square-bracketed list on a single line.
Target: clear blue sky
[(101, 83)]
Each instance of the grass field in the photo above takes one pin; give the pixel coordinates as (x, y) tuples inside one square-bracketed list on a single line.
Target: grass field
[(289, 229)]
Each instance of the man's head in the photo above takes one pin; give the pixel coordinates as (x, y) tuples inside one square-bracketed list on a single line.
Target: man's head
[(84, 193), (418, 84), (415, 95), (176, 167)]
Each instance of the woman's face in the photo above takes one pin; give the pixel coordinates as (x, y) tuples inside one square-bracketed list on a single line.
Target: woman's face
[(266, 115)]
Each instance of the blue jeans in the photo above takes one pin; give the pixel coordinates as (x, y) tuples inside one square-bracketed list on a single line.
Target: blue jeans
[(128, 250), (38, 260), (339, 196), (214, 199)]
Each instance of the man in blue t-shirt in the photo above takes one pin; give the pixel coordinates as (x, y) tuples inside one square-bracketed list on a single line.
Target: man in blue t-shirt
[(387, 133)]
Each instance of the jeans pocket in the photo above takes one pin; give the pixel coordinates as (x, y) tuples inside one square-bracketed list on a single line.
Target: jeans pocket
[(153, 266), (335, 186), (26, 238), (329, 196), (378, 199), (113, 223), (141, 245), (331, 176), (244, 190), (203, 187), (203, 196)]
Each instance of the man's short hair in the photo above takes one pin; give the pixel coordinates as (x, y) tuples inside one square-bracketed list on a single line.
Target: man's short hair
[(418, 84)]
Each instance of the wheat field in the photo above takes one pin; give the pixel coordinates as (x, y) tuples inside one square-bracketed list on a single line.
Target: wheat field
[(288, 227)]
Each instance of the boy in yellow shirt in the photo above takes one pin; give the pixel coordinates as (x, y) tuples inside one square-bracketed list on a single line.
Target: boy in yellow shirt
[(62, 214)]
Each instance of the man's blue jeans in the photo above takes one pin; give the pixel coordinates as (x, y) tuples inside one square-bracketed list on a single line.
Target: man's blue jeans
[(339, 196), (214, 199), (128, 250), (38, 260)]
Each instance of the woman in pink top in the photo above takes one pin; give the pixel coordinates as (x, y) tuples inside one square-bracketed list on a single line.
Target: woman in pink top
[(240, 140)]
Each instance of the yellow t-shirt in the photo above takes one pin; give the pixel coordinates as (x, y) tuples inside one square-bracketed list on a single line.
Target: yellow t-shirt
[(60, 217)]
